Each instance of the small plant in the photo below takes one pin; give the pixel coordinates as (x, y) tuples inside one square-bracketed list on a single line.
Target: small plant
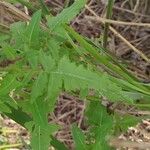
[(39, 61)]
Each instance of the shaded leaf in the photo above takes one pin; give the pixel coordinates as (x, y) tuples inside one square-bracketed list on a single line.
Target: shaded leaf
[(79, 138), (39, 86)]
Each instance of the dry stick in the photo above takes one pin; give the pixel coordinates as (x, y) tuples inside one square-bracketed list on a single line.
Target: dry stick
[(4, 26), (120, 143), (121, 37), (15, 11), (100, 19), (18, 13), (130, 45), (131, 12), (82, 115), (136, 5), (11, 146)]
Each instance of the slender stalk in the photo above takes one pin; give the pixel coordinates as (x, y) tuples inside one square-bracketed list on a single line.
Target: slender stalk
[(106, 26)]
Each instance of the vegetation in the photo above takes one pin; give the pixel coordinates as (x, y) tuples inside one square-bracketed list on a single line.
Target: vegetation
[(44, 57)]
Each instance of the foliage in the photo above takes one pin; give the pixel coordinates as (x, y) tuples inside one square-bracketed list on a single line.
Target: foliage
[(39, 62)]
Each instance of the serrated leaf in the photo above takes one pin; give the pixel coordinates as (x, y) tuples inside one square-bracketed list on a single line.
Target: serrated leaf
[(66, 15), (47, 62), (33, 29), (9, 83), (78, 77), (54, 87), (78, 138), (39, 86), (39, 112), (18, 30), (41, 137), (54, 47), (32, 57)]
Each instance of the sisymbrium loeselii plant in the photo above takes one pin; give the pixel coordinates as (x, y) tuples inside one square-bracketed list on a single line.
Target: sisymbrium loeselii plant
[(40, 60)]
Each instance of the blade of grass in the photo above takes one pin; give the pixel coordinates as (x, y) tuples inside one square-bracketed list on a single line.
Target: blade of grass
[(103, 60)]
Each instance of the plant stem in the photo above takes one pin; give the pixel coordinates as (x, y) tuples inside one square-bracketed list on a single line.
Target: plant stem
[(106, 26)]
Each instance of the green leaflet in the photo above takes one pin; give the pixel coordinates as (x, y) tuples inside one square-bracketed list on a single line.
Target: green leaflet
[(39, 86), (18, 34), (77, 77), (9, 52), (101, 124), (9, 83), (41, 137), (79, 138), (32, 30), (54, 88), (54, 47), (66, 15), (104, 59), (125, 121), (42, 130), (47, 62), (3, 38), (57, 144), (39, 112), (18, 115)]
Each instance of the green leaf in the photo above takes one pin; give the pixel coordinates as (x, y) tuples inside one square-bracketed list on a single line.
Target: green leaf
[(18, 34), (9, 83), (123, 122), (77, 77), (9, 51), (54, 87), (101, 124), (32, 57), (33, 29), (39, 86), (57, 144), (39, 111), (18, 115), (42, 130), (3, 38), (78, 138), (46, 61), (4, 108), (41, 137), (54, 47), (66, 15)]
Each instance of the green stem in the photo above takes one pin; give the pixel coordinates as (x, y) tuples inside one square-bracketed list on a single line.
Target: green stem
[(106, 26)]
